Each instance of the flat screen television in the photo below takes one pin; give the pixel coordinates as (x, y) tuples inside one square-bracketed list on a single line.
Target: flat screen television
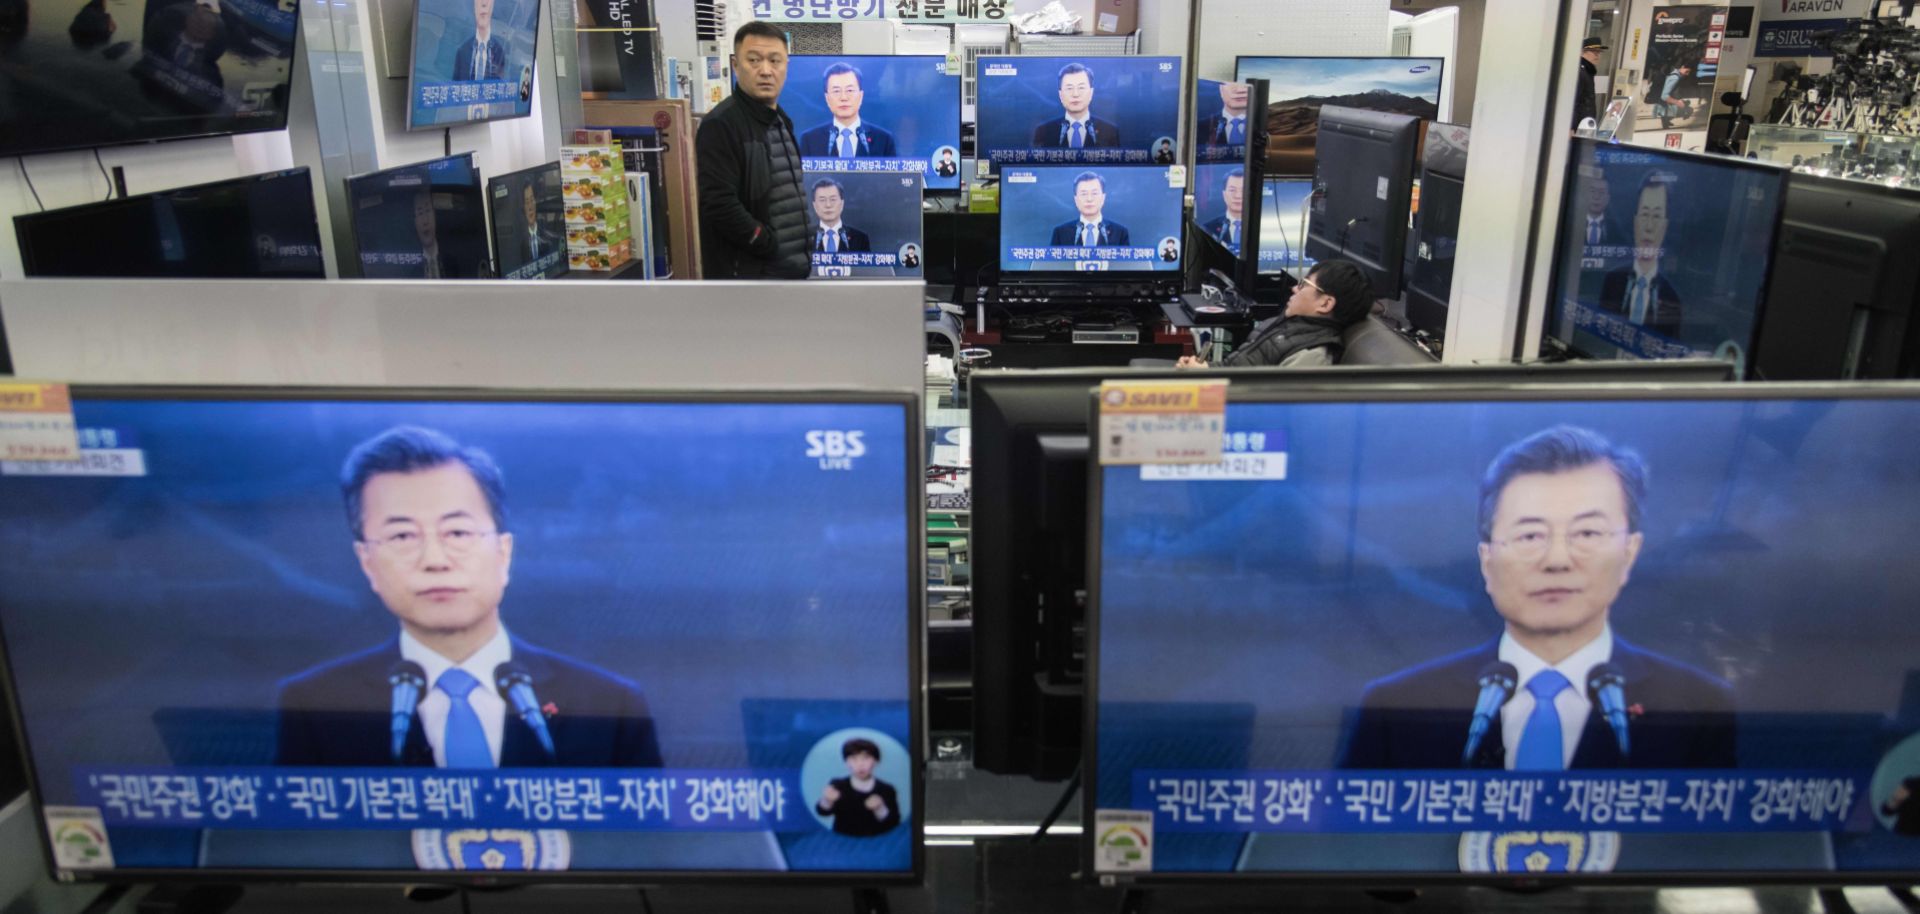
[(1030, 438), (472, 61), (1436, 236), (1570, 643), (1076, 219), (272, 634), (83, 73), (1285, 217), (1843, 297), (259, 227), (529, 220), (1363, 192), (865, 224), (1084, 110), (421, 221), (876, 113), (1662, 253), (1301, 86)]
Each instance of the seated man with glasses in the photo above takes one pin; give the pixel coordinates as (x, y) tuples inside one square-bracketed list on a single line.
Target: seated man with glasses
[(429, 522), (1560, 528)]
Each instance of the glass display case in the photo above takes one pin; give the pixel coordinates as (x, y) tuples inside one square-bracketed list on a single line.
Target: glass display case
[(1881, 158)]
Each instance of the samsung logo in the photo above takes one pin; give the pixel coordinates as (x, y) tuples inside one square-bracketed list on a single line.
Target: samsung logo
[(1423, 68)]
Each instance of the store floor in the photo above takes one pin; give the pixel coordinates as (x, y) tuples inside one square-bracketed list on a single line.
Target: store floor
[(974, 867)]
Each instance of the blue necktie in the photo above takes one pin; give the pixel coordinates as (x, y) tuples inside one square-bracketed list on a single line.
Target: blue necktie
[(1236, 131), (465, 741), (1233, 233), (833, 242), (1078, 140), (846, 143), (1086, 235), (1542, 748)]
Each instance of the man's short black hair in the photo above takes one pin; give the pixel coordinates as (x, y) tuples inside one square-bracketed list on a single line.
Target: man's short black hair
[(857, 745), (1240, 172), (1071, 69), (410, 449), (757, 29), (1352, 291), (825, 182), (839, 69), (1086, 176), (1558, 450)]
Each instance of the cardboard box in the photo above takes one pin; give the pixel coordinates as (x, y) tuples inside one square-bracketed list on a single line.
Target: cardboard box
[(1114, 17)]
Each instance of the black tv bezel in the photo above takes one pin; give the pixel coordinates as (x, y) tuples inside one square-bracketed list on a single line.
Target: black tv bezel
[(413, 55), (28, 219), (479, 188), (1077, 277), (915, 607), (960, 104), (1470, 393), (1301, 248), (1440, 63), (1553, 301), (493, 234)]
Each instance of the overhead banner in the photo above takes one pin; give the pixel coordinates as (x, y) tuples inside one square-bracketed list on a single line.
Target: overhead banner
[(903, 10), (1781, 10), (1798, 38), (1683, 58)]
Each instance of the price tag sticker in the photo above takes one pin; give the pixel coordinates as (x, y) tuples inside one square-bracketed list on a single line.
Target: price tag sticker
[(1161, 422), (36, 423)]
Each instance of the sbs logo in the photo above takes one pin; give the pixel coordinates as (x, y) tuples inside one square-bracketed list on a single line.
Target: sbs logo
[(836, 450)]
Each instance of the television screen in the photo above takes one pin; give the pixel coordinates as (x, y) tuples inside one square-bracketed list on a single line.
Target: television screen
[(1663, 254), (1571, 639), (1283, 227), (1099, 110), (276, 632), (1219, 194), (1070, 218), (1436, 241), (259, 226), (911, 124), (529, 218), (421, 221), (1300, 86), (865, 223), (1221, 127), (83, 73), (472, 61)]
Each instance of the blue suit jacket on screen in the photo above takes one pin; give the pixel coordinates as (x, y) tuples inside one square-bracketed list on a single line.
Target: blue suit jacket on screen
[(338, 714), (1418, 718), (1112, 234), (874, 142), (463, 60)]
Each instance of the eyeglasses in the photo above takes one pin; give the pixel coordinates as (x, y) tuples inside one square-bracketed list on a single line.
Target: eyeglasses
[(1309, 283), (456, 541), (843, 92), (1582, 542)]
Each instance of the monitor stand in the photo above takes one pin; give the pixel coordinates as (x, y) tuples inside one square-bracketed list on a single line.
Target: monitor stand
[(171, 898)]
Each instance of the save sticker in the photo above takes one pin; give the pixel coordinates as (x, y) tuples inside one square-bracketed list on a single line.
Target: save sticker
[(36, 423), (1145, 422)]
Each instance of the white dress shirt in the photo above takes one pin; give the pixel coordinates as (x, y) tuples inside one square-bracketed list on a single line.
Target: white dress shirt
[(485, 700), (1572, 701), (1081, 235), (833, 140)]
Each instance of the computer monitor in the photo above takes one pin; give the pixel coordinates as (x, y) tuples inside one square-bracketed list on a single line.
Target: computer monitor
[(260, 226), (898, 114), (1302, 86), (529, 219), (1662, 253), (1030, 457), (865, 224), (1284, 218), (231, 636), (1066, 219), (472, 61), (421, 221), (1841, 300), (1567, 644), (1087, 110), (1443, 184), (1363, 192)]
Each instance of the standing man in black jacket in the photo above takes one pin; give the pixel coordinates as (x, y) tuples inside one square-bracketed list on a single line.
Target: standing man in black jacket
[(1584, 93), (753, 211)]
